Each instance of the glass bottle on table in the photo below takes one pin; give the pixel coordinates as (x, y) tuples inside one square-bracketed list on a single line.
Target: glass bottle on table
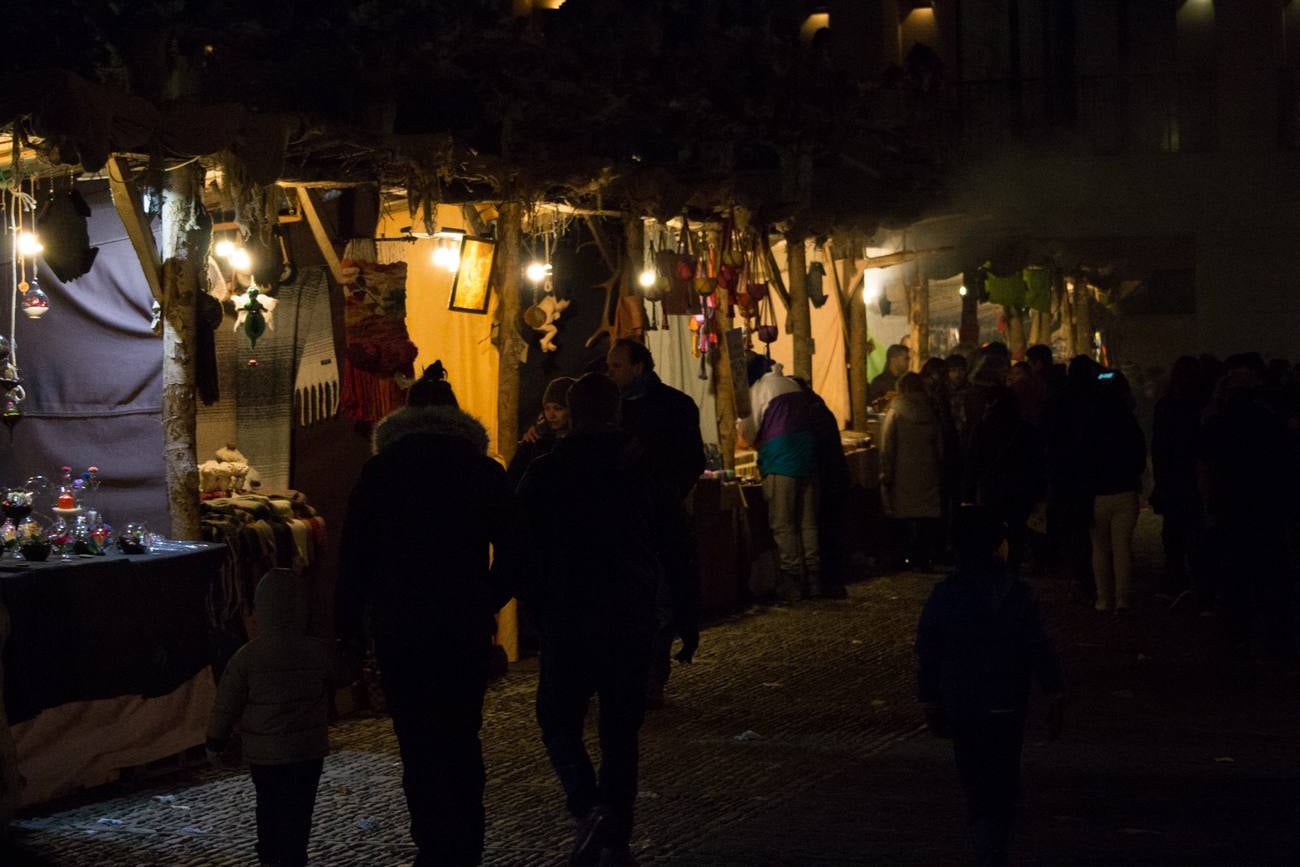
[(67, 504), (59, 535), (9, 536)]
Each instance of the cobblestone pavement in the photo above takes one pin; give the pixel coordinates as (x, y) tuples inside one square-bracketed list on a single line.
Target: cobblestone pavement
[(794, 740)]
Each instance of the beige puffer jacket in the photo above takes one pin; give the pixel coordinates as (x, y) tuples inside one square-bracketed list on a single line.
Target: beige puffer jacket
[(277, 684)]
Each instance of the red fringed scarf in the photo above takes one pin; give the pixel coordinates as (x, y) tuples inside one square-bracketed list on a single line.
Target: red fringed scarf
[(378, 346)]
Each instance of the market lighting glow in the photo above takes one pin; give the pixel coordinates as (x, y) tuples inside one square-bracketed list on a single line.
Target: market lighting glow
[(446, 250), (647, 279), (225, 248), (447, 259), (536, 272), (241, 261), (872, 282), (29, 245), (962, 291)]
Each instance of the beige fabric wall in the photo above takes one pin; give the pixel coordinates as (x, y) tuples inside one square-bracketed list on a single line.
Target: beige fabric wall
[(461, 340), (830, 376)]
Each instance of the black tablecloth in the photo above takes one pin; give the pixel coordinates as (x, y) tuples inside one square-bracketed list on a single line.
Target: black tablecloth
[(101, 627)]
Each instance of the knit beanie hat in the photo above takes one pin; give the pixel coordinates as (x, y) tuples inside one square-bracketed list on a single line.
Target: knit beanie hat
[(432, 388), (558, 391), (757, 367)]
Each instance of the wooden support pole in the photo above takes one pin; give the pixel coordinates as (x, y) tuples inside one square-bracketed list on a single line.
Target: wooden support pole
[(858, 338), (184, 251), (919, 318), (599, 237), (901, 257), (969, 332), (323, 240), (130, 208), (773, 269), (510, 228), (473, 223), (1015, 332), (633, 255), (800, 318), (724, 400), (1082, 318)]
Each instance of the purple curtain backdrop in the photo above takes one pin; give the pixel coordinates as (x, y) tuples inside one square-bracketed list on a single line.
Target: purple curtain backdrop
[(92, 370)]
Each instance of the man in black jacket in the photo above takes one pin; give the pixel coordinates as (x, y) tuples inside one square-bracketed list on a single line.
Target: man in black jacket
[(429, 507), (589, 506), (980, 643), (667, 424)]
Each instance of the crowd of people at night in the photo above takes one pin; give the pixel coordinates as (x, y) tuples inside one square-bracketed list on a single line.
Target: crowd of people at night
[(1046, 466), (991, 469)]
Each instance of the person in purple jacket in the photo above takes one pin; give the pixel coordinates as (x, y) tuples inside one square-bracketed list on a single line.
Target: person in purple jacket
[(781, 427)]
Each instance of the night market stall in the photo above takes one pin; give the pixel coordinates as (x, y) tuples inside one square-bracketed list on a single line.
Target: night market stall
[(280, 257)]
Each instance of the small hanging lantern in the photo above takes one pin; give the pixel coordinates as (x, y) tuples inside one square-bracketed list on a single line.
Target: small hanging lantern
[(35, 302), (446, 249)]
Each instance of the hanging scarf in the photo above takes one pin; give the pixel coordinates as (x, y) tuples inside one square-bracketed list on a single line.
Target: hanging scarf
[(378, 347), (316, 385)]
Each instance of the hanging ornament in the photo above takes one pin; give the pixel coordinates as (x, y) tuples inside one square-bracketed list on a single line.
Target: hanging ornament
[(814, 280), (254, 310), (13, 408), (35, 302), (9, 377)]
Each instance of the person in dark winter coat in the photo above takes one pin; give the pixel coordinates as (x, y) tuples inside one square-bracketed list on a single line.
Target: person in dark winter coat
[(1175, 497), (1002, 469), (667, 423), (911, 468), (832, 493), (1246, 475), (552, 427), (980, 644), (589, 507), (1069, 500), (1117, 458), (428, 547), (938, 388), (277, 687)]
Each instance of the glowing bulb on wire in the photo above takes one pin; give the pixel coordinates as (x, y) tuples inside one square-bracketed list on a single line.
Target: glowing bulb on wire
[(962, 291), (241, 261), (447, 258), (29, 245), (446, 249), (872, 284), (536, 272), (647, 279), (225, 248)]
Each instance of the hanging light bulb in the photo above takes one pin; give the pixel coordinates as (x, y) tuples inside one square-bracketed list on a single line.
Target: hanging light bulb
[(962, 291), (647, 278), (536, 272), (225, 248), (446, 249), (241, 261), (29, 245), (35, 302), (872, 283)]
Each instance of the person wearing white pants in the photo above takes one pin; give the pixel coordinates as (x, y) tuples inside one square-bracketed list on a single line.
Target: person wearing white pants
[(1118, 458), (1114, 520)]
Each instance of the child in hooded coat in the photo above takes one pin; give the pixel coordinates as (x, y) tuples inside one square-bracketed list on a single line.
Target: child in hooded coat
[(277, 687)]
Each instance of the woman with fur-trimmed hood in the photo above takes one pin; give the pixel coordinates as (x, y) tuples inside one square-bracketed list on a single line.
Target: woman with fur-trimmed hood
[(427, 544)]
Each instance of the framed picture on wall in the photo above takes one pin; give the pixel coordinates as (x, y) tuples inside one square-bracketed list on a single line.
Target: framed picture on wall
[(472, 286)]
